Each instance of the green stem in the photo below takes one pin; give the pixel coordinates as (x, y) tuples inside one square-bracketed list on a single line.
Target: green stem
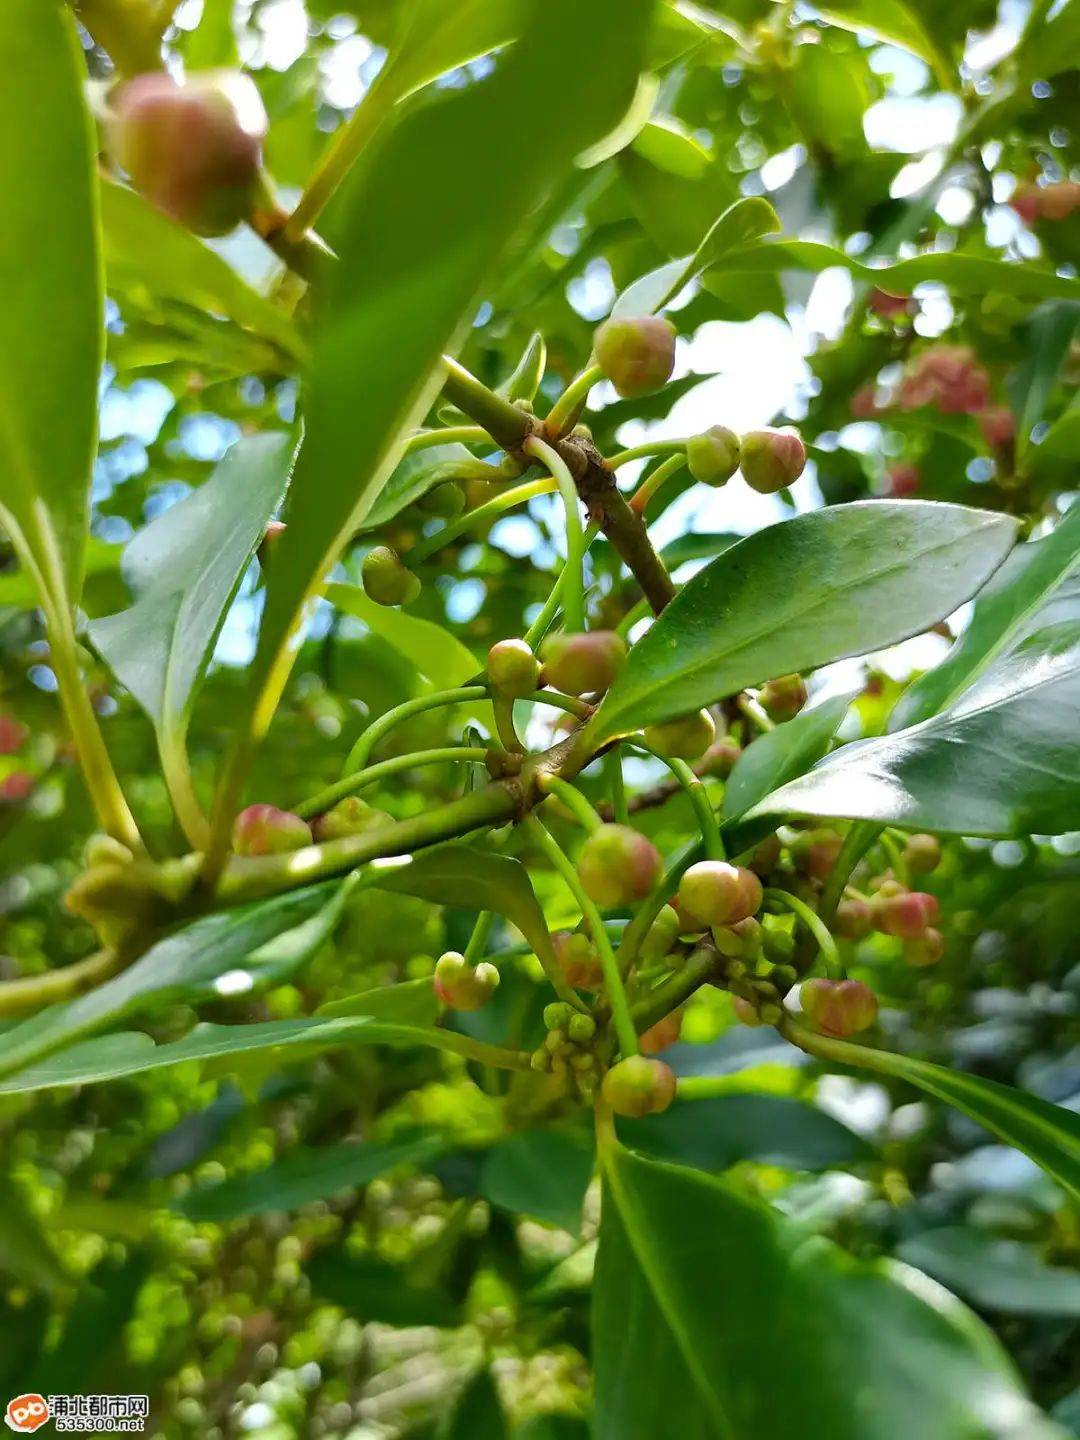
[(363, 779), (34, 992), (474, 950), (450, 435), (694, 972), (620, 1009), (504, 422), (572, 704), (646, 450), (620, 809), (755, 714), (478, 1050), (574, 801), (573, 579), (544, 621), (843, 1052), (564, 414), (695, 793), (502, 708), (894, 855), (860, 836), (177, 774), (651, 906), (653, 481), (472, 518), (814, 923), (378, 729)]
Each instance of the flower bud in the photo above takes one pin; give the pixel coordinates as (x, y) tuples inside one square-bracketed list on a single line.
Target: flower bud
[(617, 865), (193, 150), (459, 985), (723, 756), (904, 480), (557, 1015), (686, 738), (266, 830), (778, 945), (854, 919), (584, 663), (766, 855), (712, 892), (997, 425), (659, 1036), (351, 816), (906, 915), (386, 580), (104, 850), (636, 353), (639, 1086), (922, 854), (839, 1007), (578, 959), (16, 787), (926, 950), (661, 935), (269, 542), (741, 941), (13, 735), (814, 852), (745, 1012), (771, 460), (713, 457), (782, 699), (581, 1029), (513, 669)]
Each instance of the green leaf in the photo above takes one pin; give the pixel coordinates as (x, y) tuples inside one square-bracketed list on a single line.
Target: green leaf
[(828, 94), (18, 589), (234, 953), (1011, 607), (212, 44), (26, 1256), (415, 476), (800, 594), (436, 653), (478, 1414), (148, 254), (542, 1173), (412, 1002), (439, 38), (304, 1176), (771, 761), (715, 1133), (992, 1273), (895, 23), (400, 296), (963, 274), (372, 1289), (1048, 1134), (524, 380), (698, 1290), (1003, 759), (1049, 337), (52, 317), (183, 570), (696, 545)]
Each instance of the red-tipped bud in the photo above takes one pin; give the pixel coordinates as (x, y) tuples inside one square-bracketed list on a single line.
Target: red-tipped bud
[(618, 865), (269, 542), (636, 353), (266, 830), (585, 663), (771, 460), (783, 698), (513, 669), (460, 985), (578, 959), (193, 150), (713, 457), (351, 816), (926, 950), (889, 307), (712, 892), (639, 1086), (659, 1036), (746, 1013), (907, 915), (661, 935), (1060, 200), (686, 738), (839, 1007), (13, 735), (922, 854), (854, 919), (997, 425), (386, 580), (16, 787), (814, 852), (722, 757), (904, 480)]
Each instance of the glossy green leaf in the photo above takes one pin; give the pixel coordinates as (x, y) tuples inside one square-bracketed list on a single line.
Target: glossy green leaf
[(51, 321), (397, 276), (183, 570), (1003, 759), (436, 653), (828, 94), (1055, 455), (993, 1273), (146, 253), (478, 1414), (1012, 606), (415, 476), (963, 274), (412, 1002), (524, 380), (698, 1289), (716, 1133), (304, 1176), (439, 38), (771, 761), (895, 23), (542, 1173), (800, 594), (696, 545), (1050, 335), (234, 953)]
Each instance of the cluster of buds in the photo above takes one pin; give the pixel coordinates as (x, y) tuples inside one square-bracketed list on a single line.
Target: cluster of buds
[(838, 1007), (770, 460), (910, 916), (462, 986), (1046, 202), (569, 1048), (948, 378), (638, 1086), (266, 830), (618, 866), (585, 663), (578, 960)]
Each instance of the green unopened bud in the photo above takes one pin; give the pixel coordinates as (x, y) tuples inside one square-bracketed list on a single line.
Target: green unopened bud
[(617, 865), (639, 1086), (723, 756), (661, 936), (743, 940), (922, 853), (513, 669), (460, 985), (386, 580), (266, 830), (581, 1029), (766, 856), (926, 950), (839, 1007), (540, 1060), (584, 663), (745, 1012), (771, 460), (636, 353), (686, 738), (557, 1014), (104, 850), (350, 816), (782, 699), (778, 945), (192, 149), (713, 457)]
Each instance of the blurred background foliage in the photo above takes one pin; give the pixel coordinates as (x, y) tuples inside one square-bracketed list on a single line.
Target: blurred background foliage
[(346, 1246)]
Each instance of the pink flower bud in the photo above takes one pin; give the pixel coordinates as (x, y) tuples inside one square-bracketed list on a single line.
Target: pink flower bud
[(462, 986), (266, 830), (907, 916), (636, 353), (814, 852), (854, 920), (839, 1007), (746, 1013), (713, 457), (904, 480), (889, 307), (584, 663), (997, 425), (639, 1086), (772, 460), (13, 735), (617, 865), (712, 892), (16, 787), (659, 1036)]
